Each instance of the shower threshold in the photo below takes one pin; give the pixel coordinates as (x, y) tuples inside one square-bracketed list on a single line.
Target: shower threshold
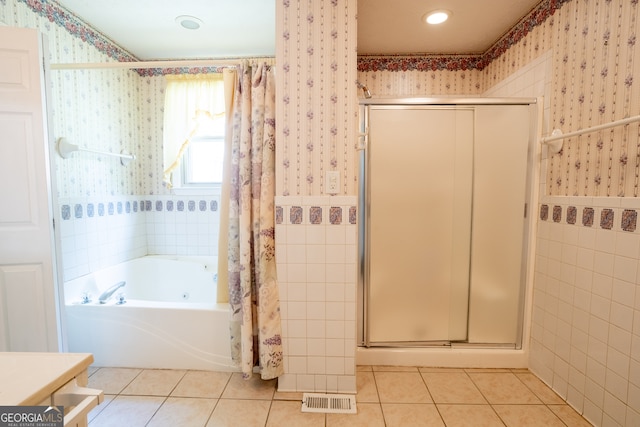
[(438, 344)]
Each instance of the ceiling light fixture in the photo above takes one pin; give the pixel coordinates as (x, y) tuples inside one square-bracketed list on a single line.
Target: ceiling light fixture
[(188, 22), (437, 17)]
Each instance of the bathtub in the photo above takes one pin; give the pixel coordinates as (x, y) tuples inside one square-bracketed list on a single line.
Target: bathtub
[(168, 318)]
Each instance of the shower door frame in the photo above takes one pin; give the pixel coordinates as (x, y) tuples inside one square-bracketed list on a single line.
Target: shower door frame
[(364, 208)]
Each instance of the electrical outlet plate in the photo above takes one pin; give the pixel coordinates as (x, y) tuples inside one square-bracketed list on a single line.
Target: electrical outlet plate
[(332, 182)]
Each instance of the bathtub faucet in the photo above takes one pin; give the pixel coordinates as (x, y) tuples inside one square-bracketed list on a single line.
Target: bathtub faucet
[(109, 292)]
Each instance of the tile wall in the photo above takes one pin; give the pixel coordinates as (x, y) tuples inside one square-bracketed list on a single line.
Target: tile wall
[(585, 338), (316, 255), (100, 232)]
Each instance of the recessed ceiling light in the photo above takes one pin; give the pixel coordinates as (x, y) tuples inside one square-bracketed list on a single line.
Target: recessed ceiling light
[(437, 17), (189, 22)]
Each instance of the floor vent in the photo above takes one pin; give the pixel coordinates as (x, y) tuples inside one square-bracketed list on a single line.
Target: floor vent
[(329, 403)]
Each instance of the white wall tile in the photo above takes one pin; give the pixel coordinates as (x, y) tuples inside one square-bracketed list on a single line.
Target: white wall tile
[(316, 328), (316, 346), (622, 317), (625, 268), (316, 292), (623, 293)]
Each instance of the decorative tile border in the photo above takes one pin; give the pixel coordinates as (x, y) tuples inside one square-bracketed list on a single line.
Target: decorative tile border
[(627, 218), (100, 209), (316, 215), (587, 217), (316, 210), (572, 214), (296, 215), (544, 212), (606, 219)]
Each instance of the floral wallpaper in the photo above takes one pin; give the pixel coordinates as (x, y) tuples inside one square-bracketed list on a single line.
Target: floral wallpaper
[(95, 109), (316, 87), (593, 83)]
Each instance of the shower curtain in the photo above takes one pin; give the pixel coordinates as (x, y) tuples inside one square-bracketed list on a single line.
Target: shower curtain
[(253, 288)]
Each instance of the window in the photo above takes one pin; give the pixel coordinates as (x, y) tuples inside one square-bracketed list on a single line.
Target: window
[(201, 165), (194, 132)]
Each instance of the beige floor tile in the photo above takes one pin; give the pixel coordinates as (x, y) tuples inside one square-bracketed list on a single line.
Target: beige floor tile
[(253, 388), (364, 368), (369, 415), (452, 387), (517, 398), (503, 388), (540, 389), (112, 380), (384, 368), (414, 415), (154, 382), (246, 413), (366, 388), (527, 416), (569, 416), (101, 407), (130, 411), (285, 413), (202, 384), (401, 387), (441, 370), (288, 395), (469, 416), (183, 412)]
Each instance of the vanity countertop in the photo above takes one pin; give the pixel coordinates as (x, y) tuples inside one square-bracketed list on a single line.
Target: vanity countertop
[(29, 378)]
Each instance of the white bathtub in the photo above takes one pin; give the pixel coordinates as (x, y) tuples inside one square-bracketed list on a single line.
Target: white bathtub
[(169, 320)]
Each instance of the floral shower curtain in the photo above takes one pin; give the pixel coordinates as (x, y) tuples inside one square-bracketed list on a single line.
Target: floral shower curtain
[(253, 288)]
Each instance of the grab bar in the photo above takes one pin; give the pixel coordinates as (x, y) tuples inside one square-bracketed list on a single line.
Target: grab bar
[(65, 149), (556, 137)]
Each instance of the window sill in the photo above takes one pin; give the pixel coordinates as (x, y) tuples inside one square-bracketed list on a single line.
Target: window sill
[(196, 191)]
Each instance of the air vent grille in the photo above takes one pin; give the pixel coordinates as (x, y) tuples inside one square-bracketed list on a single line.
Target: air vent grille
[(329, 403)]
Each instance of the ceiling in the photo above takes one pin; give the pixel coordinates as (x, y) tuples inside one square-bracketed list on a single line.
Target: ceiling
[(233, 28), (396, 27)]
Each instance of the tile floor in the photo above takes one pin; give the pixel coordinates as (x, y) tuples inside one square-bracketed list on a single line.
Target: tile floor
[(387, 396)]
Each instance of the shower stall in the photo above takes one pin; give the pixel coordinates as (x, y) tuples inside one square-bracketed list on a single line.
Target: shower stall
[(445, 193)]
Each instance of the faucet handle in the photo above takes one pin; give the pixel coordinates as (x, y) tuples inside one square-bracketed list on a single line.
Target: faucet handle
[(120, 298), (86, 298)]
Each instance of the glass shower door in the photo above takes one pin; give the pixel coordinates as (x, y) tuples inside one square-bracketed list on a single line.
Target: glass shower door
[(419, 197)]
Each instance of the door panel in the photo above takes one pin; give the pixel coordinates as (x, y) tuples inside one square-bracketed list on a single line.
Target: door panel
[(502, 140), (419, 207), (28, 319)]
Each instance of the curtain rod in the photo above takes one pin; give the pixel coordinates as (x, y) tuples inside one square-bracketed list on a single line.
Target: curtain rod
[(557, 136), (147, 64)]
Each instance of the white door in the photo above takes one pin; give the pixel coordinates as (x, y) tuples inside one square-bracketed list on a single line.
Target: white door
[(28, 315)]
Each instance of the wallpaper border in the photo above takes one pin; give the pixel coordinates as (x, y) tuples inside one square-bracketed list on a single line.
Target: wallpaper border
[(78, 28), (423, 62), (75, 26), (427, 62)]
